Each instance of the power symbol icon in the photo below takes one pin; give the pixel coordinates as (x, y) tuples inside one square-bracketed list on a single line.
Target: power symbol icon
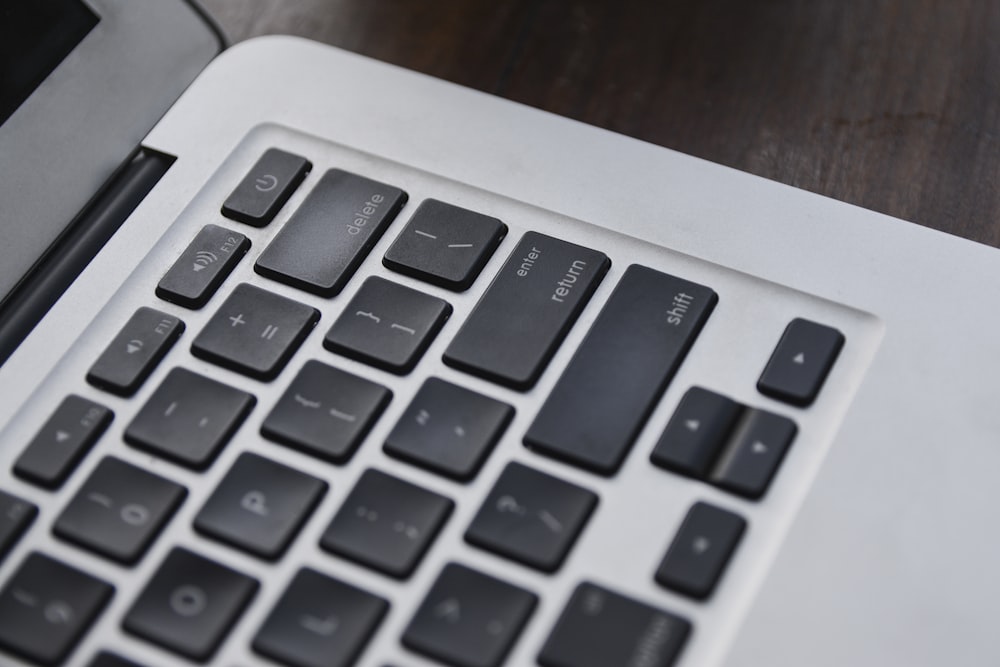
[(266, 183)]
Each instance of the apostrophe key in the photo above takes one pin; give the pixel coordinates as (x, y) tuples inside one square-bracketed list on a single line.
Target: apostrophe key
[(266, 187)]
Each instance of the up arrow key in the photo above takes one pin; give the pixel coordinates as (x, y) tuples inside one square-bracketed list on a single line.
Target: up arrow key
[(692, 424), (759, 447)]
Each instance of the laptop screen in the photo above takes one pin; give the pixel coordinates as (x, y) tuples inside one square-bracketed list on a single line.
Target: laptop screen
[(34, 38)]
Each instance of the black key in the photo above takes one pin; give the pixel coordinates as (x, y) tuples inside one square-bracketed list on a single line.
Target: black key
[(260, 506), (331, 233), (755, 451), (445, 245), (700, 551), (599, 628), (449, 429), (190, 605), (46, 607), (799, 365), (266, 188), (255, 332), (16, 515), (119, 510), (320, 622), (527, 311), (387, 524), (469, 619), (696, 433), (387, 325), (105, 659), (531, 517), (201, 268), (621, 369), (134, 353), (326, 412), (62, 442), (189, 418)]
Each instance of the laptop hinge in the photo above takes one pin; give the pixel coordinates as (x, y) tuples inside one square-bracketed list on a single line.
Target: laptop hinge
[(67, 258)]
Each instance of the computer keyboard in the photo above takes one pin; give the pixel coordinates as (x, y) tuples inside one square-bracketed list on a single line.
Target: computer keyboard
[(348, 413)]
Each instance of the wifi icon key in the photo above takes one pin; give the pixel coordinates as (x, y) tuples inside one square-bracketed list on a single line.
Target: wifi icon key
[(203, 266)]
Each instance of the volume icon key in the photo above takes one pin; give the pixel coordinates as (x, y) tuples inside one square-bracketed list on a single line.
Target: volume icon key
[(203, 266), (203, 259)]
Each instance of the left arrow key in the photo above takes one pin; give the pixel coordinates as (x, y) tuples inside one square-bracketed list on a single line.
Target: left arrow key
[(135, 351)]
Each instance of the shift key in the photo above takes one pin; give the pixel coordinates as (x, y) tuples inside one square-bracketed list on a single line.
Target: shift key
[(527, 311), (331, 233)]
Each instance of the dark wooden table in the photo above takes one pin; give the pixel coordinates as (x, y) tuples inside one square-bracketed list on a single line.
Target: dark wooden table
[(893, 105)]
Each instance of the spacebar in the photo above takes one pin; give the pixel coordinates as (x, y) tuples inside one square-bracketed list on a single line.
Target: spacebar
[(621, 369)]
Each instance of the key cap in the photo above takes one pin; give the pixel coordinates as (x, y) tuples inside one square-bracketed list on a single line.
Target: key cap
[(448, 429), (696, 433), (700, 551), (469, 619), (259, 506), (386, 524), (800, 363), (387, 325), (60, 445), (331, 233), (445, 245), (599, 628), (326, 412), (189, 419), (190, 605), (621, 369), (46, 607), (320, 622), (135, 352), (119, 510), (105, 659), (16, 515), (266, 187), (255, 332), (527, 311), (201, 268), (757, 447), (531, 517)]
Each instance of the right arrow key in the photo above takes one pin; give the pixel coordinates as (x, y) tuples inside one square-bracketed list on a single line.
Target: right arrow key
[(800, 363)]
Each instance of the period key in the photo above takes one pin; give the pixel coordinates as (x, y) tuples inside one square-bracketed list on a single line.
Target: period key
[(527, 311)]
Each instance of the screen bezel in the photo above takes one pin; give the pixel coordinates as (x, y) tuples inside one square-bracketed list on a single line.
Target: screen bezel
[(88, 116)]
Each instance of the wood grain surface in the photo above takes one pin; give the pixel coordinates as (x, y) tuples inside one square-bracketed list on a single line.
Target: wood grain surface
[(893, 105)]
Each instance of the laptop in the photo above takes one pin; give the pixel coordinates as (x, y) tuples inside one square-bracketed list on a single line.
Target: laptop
[(312, 360)]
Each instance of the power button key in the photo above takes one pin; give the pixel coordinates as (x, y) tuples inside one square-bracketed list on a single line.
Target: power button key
[(266, 187)]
